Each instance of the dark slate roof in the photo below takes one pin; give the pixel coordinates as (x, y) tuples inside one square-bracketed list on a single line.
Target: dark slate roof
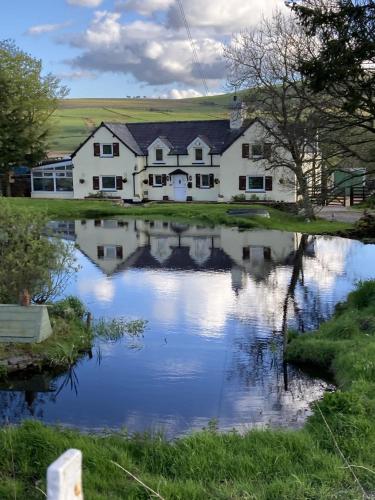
[(122, 132), (139, 136), (180, 259)]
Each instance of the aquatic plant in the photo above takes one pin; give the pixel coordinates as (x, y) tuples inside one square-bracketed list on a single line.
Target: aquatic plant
[(117, 328)]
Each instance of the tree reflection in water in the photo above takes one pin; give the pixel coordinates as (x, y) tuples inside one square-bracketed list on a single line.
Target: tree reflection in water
[(260, 363)]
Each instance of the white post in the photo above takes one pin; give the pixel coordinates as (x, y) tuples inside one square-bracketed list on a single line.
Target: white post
[(64, 477)]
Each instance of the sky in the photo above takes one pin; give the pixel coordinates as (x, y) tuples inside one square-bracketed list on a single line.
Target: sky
[(119, 48)]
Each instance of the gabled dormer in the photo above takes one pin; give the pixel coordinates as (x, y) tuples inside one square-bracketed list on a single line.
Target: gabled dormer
[(158, 150), (199, 149)]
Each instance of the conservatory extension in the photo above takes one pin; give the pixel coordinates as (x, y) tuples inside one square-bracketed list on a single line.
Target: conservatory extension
[(53, 180)]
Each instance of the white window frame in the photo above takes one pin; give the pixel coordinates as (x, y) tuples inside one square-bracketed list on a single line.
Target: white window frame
[(195, 155), (107, 189), (107, 249), (109, 224), (261, 155), (249, 190), (208, 181), (158, 184), (53, 173), (104, 155), (162, 154)]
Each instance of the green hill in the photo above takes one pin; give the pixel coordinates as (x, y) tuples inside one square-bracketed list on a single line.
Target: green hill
[(75, 118)]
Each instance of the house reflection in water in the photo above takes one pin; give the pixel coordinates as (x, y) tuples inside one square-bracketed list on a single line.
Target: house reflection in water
[(115, 245)]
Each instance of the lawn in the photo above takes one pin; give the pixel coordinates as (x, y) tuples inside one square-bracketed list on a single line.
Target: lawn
[(332, 457), (213, 213)]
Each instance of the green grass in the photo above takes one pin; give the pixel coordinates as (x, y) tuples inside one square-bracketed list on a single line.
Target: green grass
[(66, 209), (202, 213), (76, 118), (69, 341), (311, 463)]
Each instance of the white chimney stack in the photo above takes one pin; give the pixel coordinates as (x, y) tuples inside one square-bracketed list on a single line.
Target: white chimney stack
[(237, 114)]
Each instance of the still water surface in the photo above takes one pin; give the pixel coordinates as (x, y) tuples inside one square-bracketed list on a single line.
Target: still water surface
[(214, 301)]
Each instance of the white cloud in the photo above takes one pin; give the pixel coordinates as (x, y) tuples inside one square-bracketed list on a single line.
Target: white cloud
[(223, 16), (220, 15), (40, 29), (144, 7), (183, 94), (158, 52), (105, 29), (148, 50), (85, 3)]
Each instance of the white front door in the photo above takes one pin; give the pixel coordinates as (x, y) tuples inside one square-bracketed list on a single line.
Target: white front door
[(179, 187)]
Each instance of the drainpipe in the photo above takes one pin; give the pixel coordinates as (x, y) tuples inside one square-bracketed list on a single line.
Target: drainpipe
[(136, 173)]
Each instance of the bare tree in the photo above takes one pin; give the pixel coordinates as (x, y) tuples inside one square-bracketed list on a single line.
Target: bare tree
[(307, 141), (264, 59)]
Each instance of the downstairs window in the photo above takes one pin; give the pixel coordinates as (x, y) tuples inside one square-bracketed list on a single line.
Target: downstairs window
[(109, 183), (255, 183)]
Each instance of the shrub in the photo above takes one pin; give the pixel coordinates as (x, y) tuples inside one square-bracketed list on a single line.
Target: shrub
[(239, 197), (69, 308)]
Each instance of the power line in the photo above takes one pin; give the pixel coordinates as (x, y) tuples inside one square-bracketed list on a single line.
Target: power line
[(193, 47)]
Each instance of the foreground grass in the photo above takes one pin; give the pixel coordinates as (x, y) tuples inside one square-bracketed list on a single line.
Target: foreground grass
[(204, 213), (331, 458)]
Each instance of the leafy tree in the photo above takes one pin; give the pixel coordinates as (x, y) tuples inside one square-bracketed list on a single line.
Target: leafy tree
[(28, 99), (342, 64), (29, 260)]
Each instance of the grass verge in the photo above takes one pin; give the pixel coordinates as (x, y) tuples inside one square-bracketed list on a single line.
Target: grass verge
[(203, 213), (332, 457)]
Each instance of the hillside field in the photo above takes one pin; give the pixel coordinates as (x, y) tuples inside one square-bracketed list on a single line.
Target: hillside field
[(76, 118)]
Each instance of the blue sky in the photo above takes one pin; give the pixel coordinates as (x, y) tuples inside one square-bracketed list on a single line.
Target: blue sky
[(115, 48)]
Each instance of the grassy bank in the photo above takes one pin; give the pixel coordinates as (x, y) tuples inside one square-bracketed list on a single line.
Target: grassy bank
[(69, 341), (202, 213), (331, 458), (72, 338)]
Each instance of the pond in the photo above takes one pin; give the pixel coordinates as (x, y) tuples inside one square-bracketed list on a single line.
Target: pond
[(214, 299)]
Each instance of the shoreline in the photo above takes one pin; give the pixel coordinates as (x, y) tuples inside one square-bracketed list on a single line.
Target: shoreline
[(214, 214)]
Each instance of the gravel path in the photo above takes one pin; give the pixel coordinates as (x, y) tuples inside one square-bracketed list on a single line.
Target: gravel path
[(341, 214)]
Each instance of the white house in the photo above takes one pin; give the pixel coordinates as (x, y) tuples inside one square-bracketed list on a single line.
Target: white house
[(181, 161)]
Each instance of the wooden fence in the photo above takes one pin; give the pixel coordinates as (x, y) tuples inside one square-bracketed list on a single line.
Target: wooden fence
[(344, 196)]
